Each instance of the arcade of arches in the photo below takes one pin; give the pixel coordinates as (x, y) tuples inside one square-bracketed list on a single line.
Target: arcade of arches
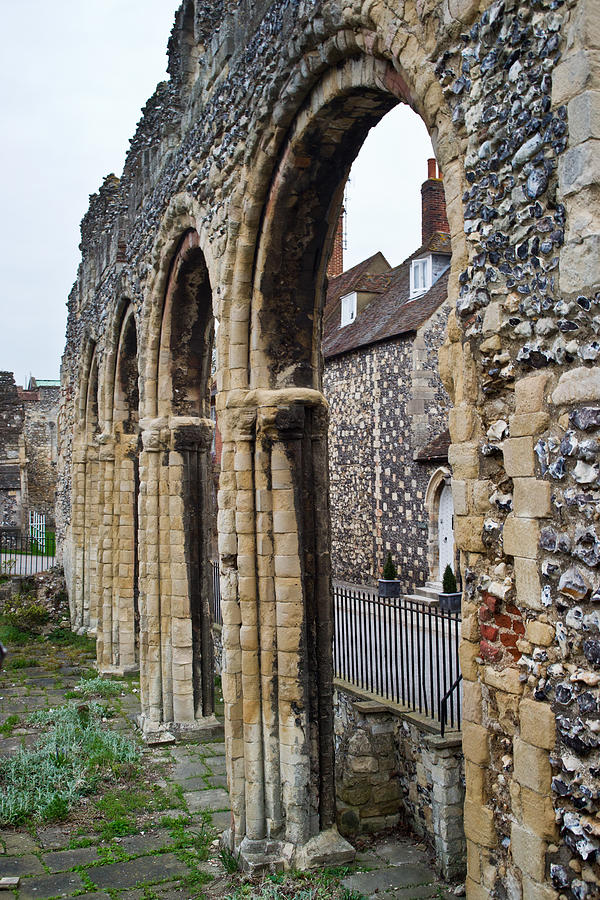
[(226, 210)]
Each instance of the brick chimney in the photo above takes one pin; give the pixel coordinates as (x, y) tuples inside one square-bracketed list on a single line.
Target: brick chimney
[(433, 203), (336, 260)]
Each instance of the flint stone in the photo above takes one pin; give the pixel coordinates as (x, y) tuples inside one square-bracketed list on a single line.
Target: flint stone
[(573, 583), (585, 418)]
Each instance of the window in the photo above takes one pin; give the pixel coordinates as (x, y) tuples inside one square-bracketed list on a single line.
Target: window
[(420, 276), (348, 309)]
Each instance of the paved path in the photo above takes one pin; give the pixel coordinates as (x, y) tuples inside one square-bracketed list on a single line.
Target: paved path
[(165, 855)]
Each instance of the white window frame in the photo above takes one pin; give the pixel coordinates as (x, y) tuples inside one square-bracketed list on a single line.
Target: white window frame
[(348, 309), (420, 276)]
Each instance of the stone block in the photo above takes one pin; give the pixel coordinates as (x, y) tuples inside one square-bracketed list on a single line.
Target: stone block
[(528, 423), (520, 537), (519, 459), (475, 782), (535, 891), (528, 852), (476, 743), (539, 633), (538, 726), (579, 385), (479, 824), (584, 117), (580, 264), (532, 766), (463, 423), (471, 701), (468, 653), (538, 814), (459, 497), (529, 393), (464, 460), (468, 531), (527, 583), (506, 680), (531, 498)]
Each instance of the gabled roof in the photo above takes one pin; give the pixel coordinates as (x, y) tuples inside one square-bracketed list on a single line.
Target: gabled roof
[(389, 314)]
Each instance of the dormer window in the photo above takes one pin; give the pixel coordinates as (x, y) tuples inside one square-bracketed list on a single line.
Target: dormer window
[(348, 304), (420, 276)]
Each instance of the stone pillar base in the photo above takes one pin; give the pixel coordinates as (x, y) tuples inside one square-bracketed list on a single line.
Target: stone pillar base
[(208, 728), (328, 848), (118, 671)]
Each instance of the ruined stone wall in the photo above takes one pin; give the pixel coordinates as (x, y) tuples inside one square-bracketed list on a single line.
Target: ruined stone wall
[(41, 447), (13, 484), (394, 768), (248, 146), (386, 402)]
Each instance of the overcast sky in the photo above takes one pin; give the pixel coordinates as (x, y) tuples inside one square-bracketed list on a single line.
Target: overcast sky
[(74, 75)]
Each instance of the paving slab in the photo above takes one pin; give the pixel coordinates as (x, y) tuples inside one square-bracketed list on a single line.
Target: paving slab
[(54, 838), (221, 821), (61, 860), (146, 843), (136, 871), (189, 769), (216, 764), (370, 883), (21, 865), (217, 781), (398, 853), (16, 842), (215, 798), (40, 888)]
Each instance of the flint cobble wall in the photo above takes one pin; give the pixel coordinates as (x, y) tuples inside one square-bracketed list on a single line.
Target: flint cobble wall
[(12, 417), (386, 402)]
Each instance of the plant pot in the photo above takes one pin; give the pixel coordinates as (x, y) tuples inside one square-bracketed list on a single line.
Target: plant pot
[(389, 588), (450, 602)]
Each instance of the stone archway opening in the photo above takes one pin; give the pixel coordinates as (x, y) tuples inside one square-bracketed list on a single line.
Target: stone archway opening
[(123, 634), (178, 669), (286, 446)]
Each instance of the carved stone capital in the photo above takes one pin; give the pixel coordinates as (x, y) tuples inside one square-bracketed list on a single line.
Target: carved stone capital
[(155, 435), (191, 433)]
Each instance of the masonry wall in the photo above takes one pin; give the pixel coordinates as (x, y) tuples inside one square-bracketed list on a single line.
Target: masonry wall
[(41, 447), (386, 403), (12, 482)]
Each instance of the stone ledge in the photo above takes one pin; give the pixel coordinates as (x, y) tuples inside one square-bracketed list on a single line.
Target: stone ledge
[(371, 704)]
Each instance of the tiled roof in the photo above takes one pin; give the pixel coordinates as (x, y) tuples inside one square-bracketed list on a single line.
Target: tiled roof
[(436, 449), (388, 315)]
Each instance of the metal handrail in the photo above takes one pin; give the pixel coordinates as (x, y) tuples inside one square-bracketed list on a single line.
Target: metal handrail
[(444, 705)]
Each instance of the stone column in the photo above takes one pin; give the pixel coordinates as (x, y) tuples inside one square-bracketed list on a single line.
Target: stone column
[(106, 463), (90, 532), (277, 630), (177, 665), (78, 537)]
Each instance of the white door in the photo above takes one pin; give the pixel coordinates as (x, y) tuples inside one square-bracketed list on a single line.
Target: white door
[(445, 533)]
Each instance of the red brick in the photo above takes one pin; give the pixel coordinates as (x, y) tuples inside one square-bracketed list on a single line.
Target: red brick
[(503, 621), (513, 610), (489, 632), (518, 626), (516, 654), (490, 601), (488, 651), (508, 639), (484, 614)]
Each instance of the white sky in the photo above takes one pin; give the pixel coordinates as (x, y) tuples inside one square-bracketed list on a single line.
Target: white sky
[(74, 75)]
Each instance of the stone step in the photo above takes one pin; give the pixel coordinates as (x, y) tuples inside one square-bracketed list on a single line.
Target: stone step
[(427, 593), (430, 601)]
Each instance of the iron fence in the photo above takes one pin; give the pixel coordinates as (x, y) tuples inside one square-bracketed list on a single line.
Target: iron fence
[(402, 650), (215, 599), (24, 554)]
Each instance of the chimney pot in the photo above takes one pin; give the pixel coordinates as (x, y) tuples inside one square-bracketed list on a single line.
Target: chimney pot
[(431, 168)]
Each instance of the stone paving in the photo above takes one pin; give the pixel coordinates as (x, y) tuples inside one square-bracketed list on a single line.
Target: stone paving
[(185, 795)]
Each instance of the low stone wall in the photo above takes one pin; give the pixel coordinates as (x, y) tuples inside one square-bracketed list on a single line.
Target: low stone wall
[(392, 767)]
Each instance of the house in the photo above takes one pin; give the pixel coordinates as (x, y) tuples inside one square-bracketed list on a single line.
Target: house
[(388, 438)]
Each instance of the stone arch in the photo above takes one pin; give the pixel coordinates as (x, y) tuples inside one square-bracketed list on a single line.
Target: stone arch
[(177, 500), (117, 645), (438, 481), (83, 594), (278, 437)]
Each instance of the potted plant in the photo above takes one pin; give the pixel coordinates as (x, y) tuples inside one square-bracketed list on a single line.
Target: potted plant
[(449, 598), (389, 586)]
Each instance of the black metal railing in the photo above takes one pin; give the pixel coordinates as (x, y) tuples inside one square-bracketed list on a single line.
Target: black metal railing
[(22, 554), (215, 599), (402, 650)]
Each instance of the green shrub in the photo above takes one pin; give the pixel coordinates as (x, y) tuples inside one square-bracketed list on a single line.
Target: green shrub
[(449, 581), (24, 611), (96, 686), (390, 572)]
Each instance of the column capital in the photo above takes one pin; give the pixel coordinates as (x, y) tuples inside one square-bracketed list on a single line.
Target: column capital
[(190, 432), (156, 435)]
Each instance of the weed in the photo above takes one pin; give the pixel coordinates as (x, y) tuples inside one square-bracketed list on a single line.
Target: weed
[(46, 781), (66, 637), (229, 861), (23, 611), (8, 725), (22, 662), (12, 635), (96, 686)]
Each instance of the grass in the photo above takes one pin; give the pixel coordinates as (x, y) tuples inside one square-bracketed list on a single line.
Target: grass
[(68, 761), (9, 725), (21, 662)]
